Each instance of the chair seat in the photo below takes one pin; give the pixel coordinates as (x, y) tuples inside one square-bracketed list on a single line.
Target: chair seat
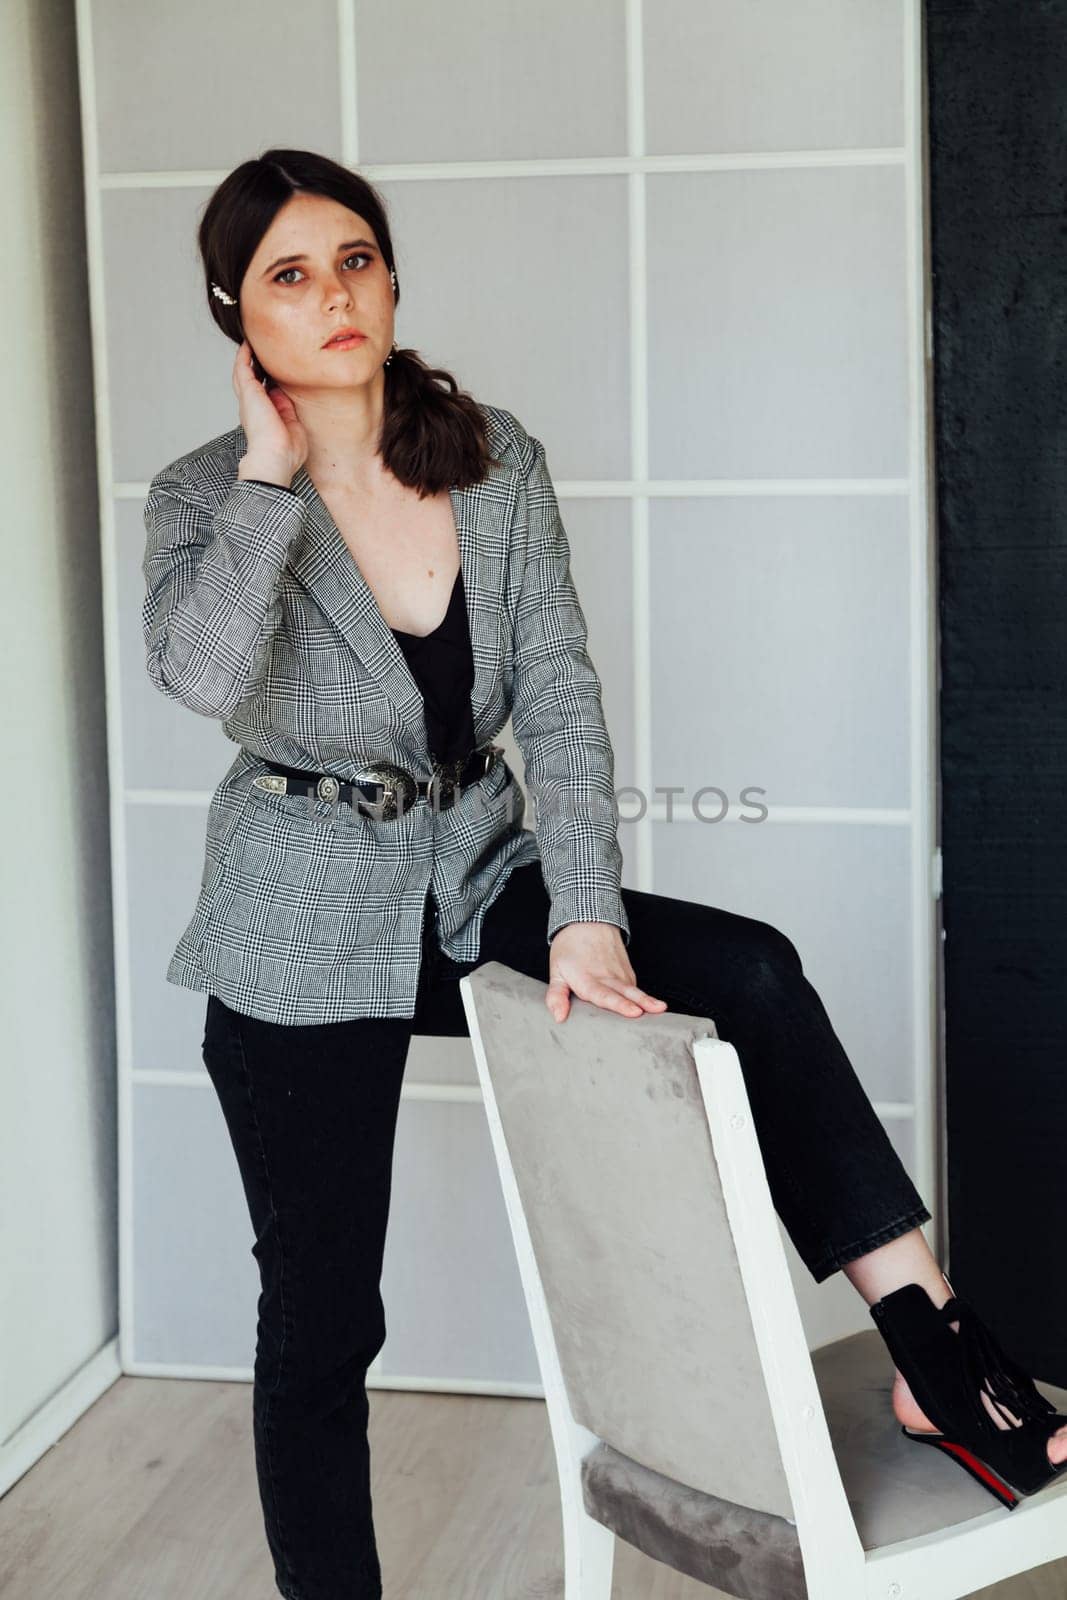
[(895, 1489)]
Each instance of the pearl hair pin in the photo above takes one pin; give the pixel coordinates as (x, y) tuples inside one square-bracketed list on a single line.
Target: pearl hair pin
[(389, 357)]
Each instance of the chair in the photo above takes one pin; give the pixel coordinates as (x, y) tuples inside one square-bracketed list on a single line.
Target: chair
[(688, 1415)]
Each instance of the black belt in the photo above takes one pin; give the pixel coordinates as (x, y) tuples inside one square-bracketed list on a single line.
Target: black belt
[(392, 791)]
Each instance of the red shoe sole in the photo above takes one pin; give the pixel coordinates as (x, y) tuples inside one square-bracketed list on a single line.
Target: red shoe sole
[(970, 1463)]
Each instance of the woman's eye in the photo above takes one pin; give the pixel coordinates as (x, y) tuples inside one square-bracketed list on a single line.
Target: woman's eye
[(356, 256)]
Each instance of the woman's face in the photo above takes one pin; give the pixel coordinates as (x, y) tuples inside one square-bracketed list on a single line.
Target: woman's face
[(317, 269)]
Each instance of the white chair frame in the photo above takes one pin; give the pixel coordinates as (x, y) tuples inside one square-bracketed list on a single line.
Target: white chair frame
[(943, 1565)]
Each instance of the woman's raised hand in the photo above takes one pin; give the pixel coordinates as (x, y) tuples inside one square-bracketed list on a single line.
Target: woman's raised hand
[(277, 441)]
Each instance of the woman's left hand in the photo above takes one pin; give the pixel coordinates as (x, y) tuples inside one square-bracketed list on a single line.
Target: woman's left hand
[(589, 959)]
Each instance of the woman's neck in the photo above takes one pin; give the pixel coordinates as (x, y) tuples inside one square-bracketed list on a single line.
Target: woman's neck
[(343, 433)]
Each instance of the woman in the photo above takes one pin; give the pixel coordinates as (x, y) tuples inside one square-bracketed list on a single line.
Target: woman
[(363, 581)]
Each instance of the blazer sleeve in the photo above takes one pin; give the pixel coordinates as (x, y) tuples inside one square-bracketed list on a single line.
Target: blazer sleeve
[(558, 720), (212, 581)]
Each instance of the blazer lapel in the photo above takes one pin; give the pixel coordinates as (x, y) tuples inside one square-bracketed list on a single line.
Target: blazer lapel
[(323, 563)]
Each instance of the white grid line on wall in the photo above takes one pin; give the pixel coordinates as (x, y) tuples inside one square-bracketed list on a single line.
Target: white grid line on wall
[(674, 488), (557, 167), (898, 817), (640, 490), (468, 1093)]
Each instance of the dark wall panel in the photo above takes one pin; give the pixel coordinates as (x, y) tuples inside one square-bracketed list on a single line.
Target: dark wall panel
[(997, 88)]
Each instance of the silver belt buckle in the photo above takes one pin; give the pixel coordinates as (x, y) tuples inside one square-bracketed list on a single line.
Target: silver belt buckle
[(445, 775), (327, 788), (444, 781), (272, 782), (399, 791)]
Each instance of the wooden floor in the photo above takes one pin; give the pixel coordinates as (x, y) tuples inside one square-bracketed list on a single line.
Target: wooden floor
[(152, 1496)]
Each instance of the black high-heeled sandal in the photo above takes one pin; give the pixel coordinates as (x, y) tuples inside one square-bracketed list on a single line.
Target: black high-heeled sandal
[(946, 1371)]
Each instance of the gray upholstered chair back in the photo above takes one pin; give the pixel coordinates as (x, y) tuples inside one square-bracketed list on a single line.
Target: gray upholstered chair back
[(608, 1135)]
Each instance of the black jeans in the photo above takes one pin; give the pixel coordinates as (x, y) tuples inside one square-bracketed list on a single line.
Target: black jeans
[(312, 1110)]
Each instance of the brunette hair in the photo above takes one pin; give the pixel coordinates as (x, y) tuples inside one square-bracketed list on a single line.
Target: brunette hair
[(433, 433)]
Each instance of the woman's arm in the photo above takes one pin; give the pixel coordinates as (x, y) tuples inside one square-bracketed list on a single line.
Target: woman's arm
[(212, 580), (559, 725)]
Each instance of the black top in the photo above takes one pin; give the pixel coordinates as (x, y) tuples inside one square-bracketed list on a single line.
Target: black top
[(442, 664)]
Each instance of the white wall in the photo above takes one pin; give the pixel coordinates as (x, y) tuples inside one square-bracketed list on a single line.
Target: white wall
[(682, 242), (58, 1268)]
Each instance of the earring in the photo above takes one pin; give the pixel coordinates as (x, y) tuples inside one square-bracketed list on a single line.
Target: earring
[(220, 294), (389, 357)]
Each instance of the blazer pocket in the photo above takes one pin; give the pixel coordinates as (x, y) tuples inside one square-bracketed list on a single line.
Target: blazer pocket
[(295, 891), (222, 836)]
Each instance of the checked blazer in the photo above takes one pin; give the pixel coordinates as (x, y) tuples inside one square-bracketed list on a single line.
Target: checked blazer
[(256, 614)]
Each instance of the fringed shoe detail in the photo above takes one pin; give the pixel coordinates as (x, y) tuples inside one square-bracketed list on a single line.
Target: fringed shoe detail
[(947, 1371)]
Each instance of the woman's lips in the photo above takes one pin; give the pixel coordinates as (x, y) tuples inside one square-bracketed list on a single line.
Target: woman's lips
[(347, 343)]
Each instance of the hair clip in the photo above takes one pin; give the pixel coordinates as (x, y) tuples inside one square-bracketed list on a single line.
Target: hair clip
[(227, 299)]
